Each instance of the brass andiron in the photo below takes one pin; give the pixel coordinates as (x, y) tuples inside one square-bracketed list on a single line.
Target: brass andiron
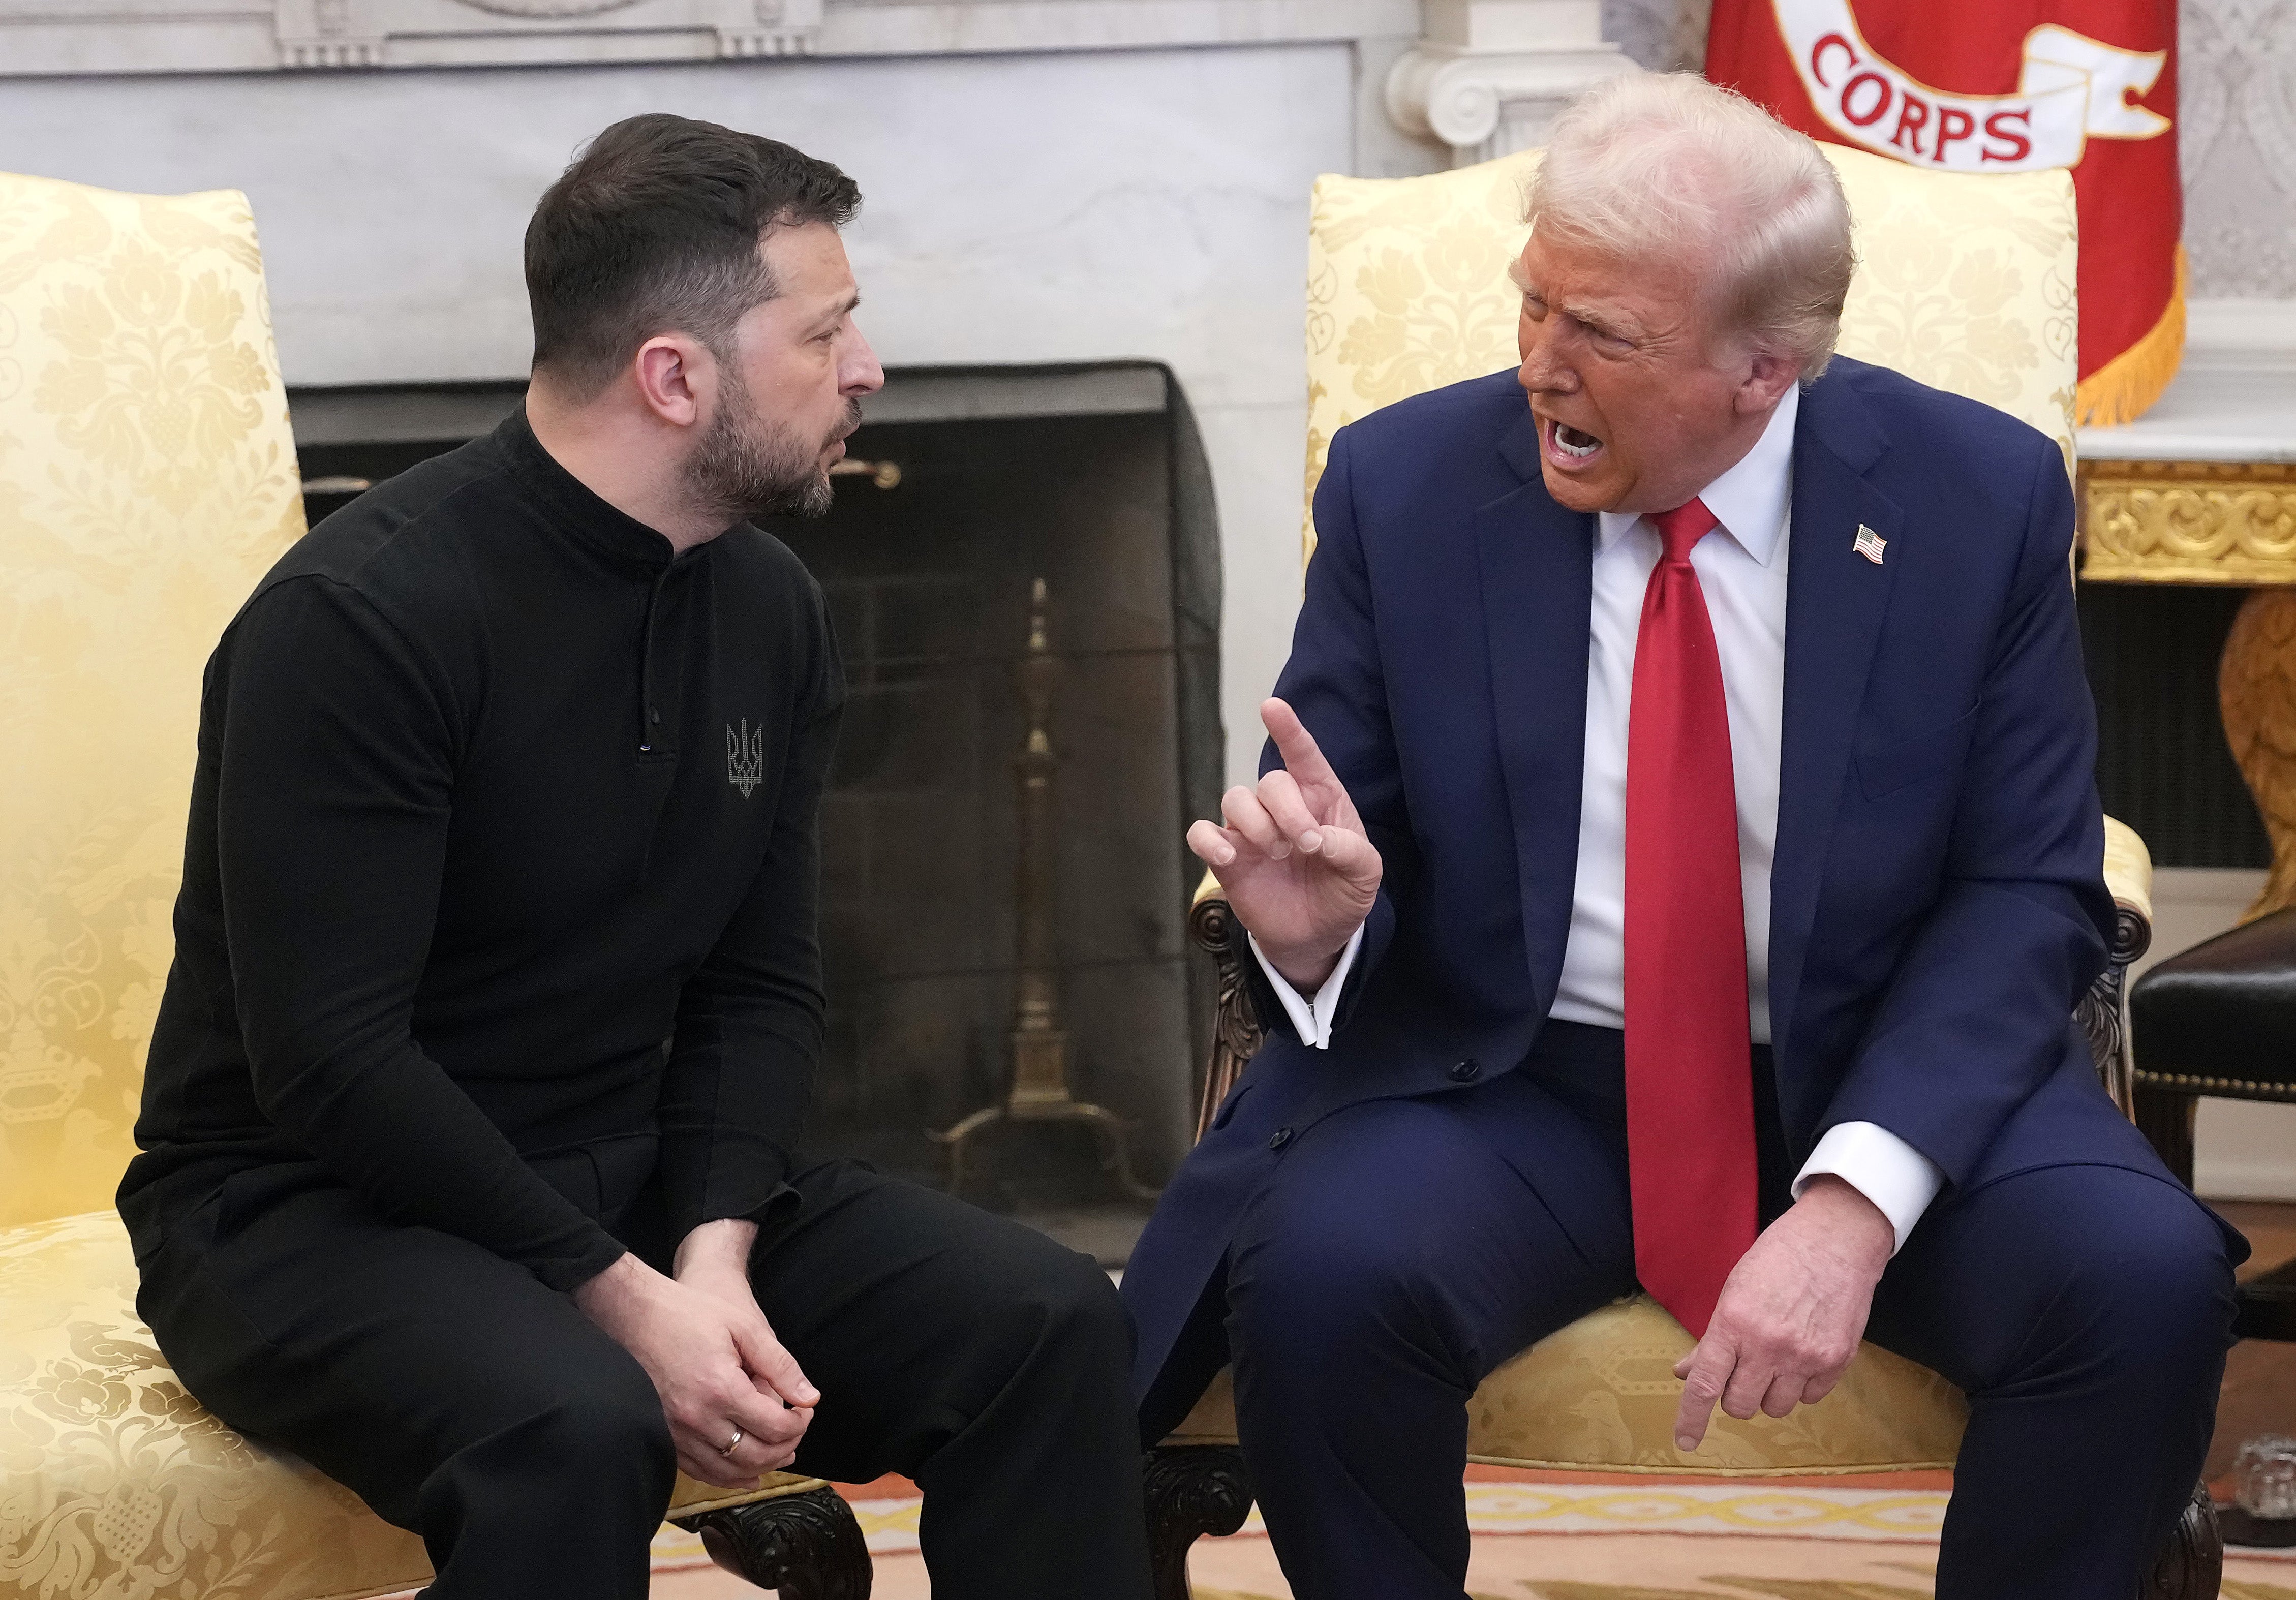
[(884, 474), (1040, 1046)]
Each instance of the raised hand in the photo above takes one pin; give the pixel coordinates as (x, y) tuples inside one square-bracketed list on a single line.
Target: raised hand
[(1298, 868)]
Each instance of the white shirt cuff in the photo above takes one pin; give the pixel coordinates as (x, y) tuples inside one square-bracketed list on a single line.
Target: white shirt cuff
[(1313, 1018), (1897, 1177)]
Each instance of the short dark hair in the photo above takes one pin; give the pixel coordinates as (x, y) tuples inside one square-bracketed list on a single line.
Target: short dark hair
[(654, 229)]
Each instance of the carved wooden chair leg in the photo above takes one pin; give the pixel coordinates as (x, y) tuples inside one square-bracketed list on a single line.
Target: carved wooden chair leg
[(805, 1547), (2165, 1119), (1192, 1490), (2191, 1564)]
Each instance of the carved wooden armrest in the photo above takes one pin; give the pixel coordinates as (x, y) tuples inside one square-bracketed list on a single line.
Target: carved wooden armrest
[(1236, 1031), (2128, 875)]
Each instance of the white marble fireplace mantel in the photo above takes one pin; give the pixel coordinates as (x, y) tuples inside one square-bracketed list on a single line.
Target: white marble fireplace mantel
[(39, 37)]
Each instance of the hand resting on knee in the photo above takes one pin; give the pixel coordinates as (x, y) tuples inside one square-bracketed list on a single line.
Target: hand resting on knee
[(1791, 1311), (721, 1373)]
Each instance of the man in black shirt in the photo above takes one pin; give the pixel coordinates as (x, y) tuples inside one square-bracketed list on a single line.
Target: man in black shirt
[(496, 998)]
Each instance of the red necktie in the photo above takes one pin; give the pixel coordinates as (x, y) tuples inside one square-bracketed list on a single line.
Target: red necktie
[(1690, 1085)]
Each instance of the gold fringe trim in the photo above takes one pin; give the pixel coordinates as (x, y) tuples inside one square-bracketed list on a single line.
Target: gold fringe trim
[(2124, 388)]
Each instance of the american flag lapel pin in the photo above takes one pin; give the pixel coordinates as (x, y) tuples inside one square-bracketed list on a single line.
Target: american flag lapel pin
[(1870, 544)]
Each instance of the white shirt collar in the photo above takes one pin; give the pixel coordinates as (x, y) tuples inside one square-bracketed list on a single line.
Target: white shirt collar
[(1751, 500)]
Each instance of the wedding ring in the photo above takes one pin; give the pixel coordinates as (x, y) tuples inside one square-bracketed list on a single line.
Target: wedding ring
[(732, 1444)]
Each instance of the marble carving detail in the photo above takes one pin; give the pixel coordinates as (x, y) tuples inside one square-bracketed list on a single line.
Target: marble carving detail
[(359, 33), (1488, 76), (38, 39), (549, 8)]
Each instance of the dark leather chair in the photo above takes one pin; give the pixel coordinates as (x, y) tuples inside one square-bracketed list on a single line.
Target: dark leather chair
[(2220, 1019)]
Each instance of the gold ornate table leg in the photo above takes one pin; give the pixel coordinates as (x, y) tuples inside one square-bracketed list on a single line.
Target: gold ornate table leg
[(2257, 686)]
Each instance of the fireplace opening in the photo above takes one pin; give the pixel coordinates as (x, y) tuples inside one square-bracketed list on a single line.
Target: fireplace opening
[(1004, 535)]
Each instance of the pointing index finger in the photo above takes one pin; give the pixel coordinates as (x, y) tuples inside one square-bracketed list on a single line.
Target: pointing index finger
[(1704, 1373), (1303, 758)]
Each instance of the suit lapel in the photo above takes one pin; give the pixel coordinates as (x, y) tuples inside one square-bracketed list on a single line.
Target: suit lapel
[(1835, 601), (1536, 561)]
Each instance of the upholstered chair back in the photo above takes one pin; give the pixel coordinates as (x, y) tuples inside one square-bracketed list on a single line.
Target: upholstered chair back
[(1964, 282), (147, 480)]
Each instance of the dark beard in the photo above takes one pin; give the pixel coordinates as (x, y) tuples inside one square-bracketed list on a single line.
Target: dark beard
[(746, 468)]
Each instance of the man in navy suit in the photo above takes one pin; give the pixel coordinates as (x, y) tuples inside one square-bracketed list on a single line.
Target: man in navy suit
[(1676, 861)]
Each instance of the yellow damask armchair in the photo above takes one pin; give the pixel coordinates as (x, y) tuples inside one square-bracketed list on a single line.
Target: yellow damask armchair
[(147, 480), (1964, 283)]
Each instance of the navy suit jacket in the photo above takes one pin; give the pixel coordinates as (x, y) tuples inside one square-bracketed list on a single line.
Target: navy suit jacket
[(1937, 899)]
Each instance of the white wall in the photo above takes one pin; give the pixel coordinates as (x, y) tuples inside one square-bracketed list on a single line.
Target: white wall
[(1018, 209)]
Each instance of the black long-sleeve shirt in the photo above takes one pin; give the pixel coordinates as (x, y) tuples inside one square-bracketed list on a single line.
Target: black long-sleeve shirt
[(503, 844)]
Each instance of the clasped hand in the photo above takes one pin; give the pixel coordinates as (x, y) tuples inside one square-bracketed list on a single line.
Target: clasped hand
[(713, 1357), (1791, 1311), (1294, 861)]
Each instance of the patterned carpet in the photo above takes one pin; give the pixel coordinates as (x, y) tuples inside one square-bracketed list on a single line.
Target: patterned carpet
[(1541, 1538)]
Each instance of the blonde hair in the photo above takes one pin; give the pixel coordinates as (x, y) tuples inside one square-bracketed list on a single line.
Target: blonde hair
[(1667, 165)]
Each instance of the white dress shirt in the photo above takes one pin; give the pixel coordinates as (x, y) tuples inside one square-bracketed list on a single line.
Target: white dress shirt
[(1741, 570)]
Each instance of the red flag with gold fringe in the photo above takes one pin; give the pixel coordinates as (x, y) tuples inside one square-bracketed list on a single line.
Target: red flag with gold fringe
[(2006, 86)]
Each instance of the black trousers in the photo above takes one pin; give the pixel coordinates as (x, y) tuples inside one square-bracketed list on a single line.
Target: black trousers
[(464, 1401)]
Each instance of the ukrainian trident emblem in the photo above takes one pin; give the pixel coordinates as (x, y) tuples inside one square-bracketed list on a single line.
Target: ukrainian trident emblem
[(745, 758)]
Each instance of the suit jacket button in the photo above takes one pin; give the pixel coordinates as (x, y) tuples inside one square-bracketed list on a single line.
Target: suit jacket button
[(1467, 1070), (1279, 1138)]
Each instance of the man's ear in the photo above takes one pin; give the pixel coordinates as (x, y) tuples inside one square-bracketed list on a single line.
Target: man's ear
[(1768, 378), (676, 376)]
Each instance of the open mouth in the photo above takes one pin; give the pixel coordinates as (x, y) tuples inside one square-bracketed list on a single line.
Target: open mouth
[(1568, 446)]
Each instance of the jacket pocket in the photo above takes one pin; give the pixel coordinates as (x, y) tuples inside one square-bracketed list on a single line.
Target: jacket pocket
[(1893, 766)]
